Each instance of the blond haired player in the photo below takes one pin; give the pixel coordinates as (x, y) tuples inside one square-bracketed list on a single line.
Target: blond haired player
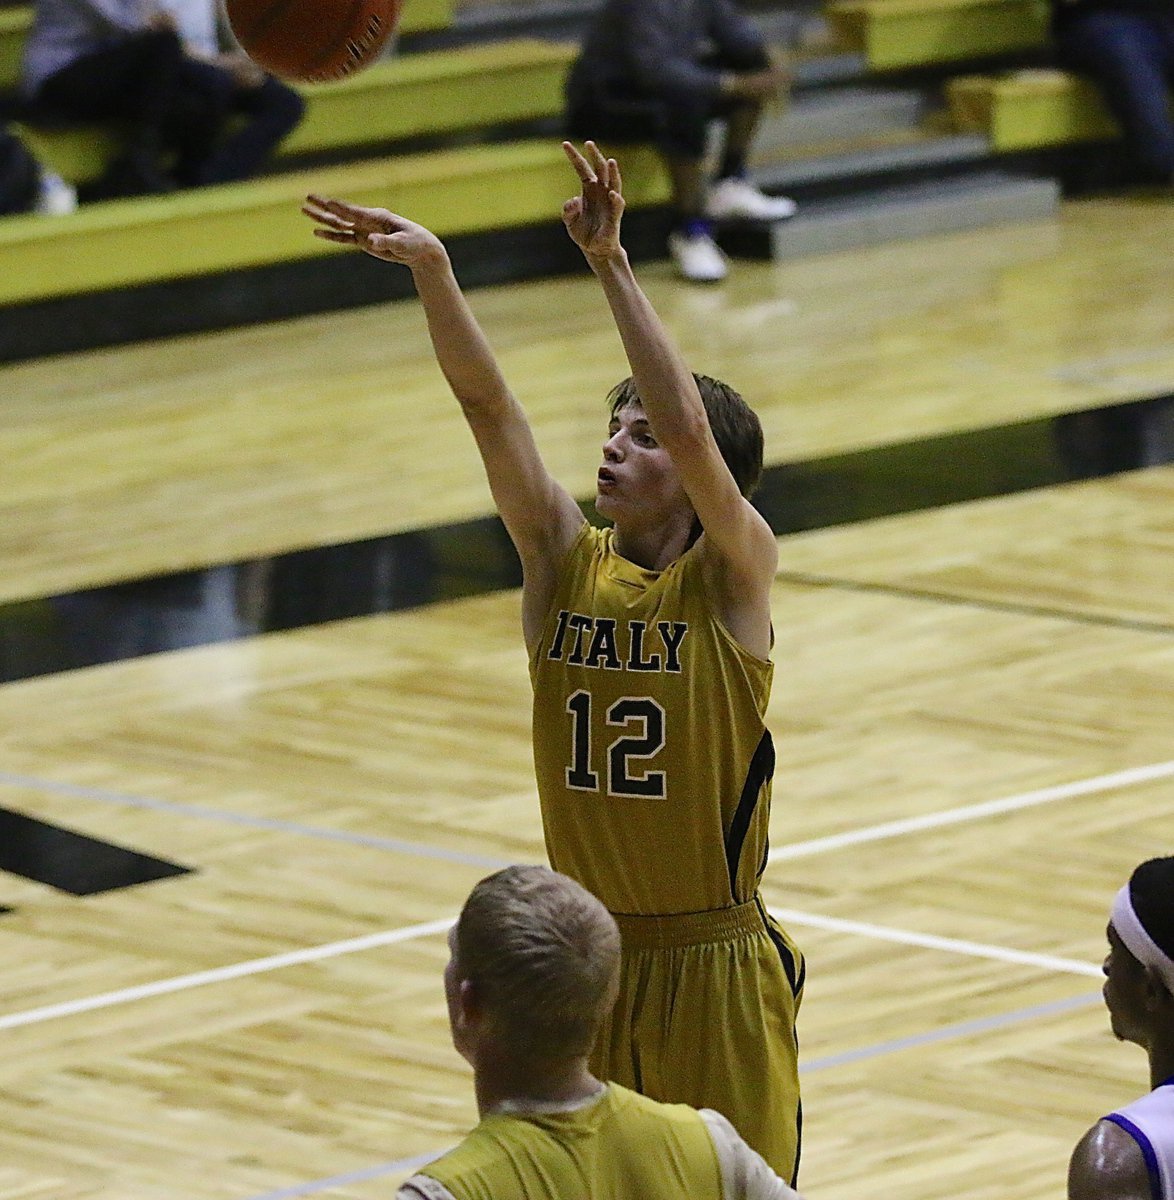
[(533, 970), (649, 649)]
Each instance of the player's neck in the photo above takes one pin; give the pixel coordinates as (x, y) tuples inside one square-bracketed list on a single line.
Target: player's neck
[(1161, 1061), (653, 547), (505, 1086)]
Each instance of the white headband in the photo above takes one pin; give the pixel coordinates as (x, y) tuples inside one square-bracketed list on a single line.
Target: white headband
[(1138, 941)]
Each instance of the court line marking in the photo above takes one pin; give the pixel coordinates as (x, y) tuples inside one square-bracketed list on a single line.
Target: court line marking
[(256, 966), (276, 824), (941, 818), (930, 941), (973, 812), (961, 600), (371, 941), (827, 1062)]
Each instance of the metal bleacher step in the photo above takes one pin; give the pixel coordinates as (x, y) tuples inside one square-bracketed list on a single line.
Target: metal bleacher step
[(852, 111), (899, 213), (884, 158)]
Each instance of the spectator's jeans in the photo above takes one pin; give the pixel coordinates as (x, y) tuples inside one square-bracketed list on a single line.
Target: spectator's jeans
[(1131, 57), (175, 103), (270, 111), (674, 117), (134, 80)]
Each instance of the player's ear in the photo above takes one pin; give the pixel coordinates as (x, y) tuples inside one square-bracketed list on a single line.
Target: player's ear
[(1158, 999), (469, 1003)]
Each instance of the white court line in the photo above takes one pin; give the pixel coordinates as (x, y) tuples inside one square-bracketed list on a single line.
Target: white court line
[(908, 937), (276, 962), (837, 841), (256, 966), (973, 812)]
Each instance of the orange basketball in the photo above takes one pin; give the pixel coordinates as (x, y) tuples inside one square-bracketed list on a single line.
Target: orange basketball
[(313, 41)]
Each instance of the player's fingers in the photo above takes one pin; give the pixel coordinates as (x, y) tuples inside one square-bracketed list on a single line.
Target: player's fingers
[(325, 203), (598, 162), (334, 235), (343, 211), (582, 168), (572, 209), (326, 217), (617, 184)]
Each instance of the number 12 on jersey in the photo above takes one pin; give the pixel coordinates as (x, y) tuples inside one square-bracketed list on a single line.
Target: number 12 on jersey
[(628, 760)]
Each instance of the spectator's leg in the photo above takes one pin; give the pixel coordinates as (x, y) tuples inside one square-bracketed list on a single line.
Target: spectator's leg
[(272, 110), (198, 116), (676, 123), (741, 124), (741, 118), (683, 125), (733, 196), (132, 81), (1129, 57), (687, 178)]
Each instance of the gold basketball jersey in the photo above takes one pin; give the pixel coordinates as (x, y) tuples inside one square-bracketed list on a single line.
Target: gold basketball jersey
[(651, 750), (622, 1147)]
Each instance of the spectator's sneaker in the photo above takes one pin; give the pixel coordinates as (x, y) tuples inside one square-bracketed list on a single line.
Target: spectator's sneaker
[(55, 197), (735, 199), (697, 257)]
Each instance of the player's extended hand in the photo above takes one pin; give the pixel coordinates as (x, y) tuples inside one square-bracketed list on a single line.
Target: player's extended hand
[(593, 217), (380, 233)]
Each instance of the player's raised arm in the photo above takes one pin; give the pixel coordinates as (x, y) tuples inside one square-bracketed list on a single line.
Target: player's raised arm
[(541, 517), (667, 389)]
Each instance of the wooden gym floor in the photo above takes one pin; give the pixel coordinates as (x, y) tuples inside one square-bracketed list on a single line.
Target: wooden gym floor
[(974, 707)]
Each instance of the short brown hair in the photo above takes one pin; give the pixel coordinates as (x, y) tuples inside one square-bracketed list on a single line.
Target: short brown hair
[(543, 955), (736, 427)]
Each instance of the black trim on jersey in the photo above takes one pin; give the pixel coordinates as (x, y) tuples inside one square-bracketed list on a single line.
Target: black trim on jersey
[(794, 1180), (795, 969), (796, 978), (762, 766)]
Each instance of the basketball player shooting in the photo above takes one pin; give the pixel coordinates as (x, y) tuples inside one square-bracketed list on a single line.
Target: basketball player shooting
[(649, 646)]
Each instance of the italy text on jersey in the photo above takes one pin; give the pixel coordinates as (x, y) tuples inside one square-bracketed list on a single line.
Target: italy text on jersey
[(582, 640)]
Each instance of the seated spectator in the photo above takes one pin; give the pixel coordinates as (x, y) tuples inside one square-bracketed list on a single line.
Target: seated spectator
[(661, 70), (231, 85), (534, 968), (126, 61), (1127, 48)]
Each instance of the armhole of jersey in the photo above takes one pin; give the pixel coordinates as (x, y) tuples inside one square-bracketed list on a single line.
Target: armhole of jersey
[(699, 568), (760, 770), (1147, 1152)]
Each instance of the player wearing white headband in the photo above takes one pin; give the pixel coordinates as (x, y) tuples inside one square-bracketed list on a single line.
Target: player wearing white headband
[(1129, 1155)]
